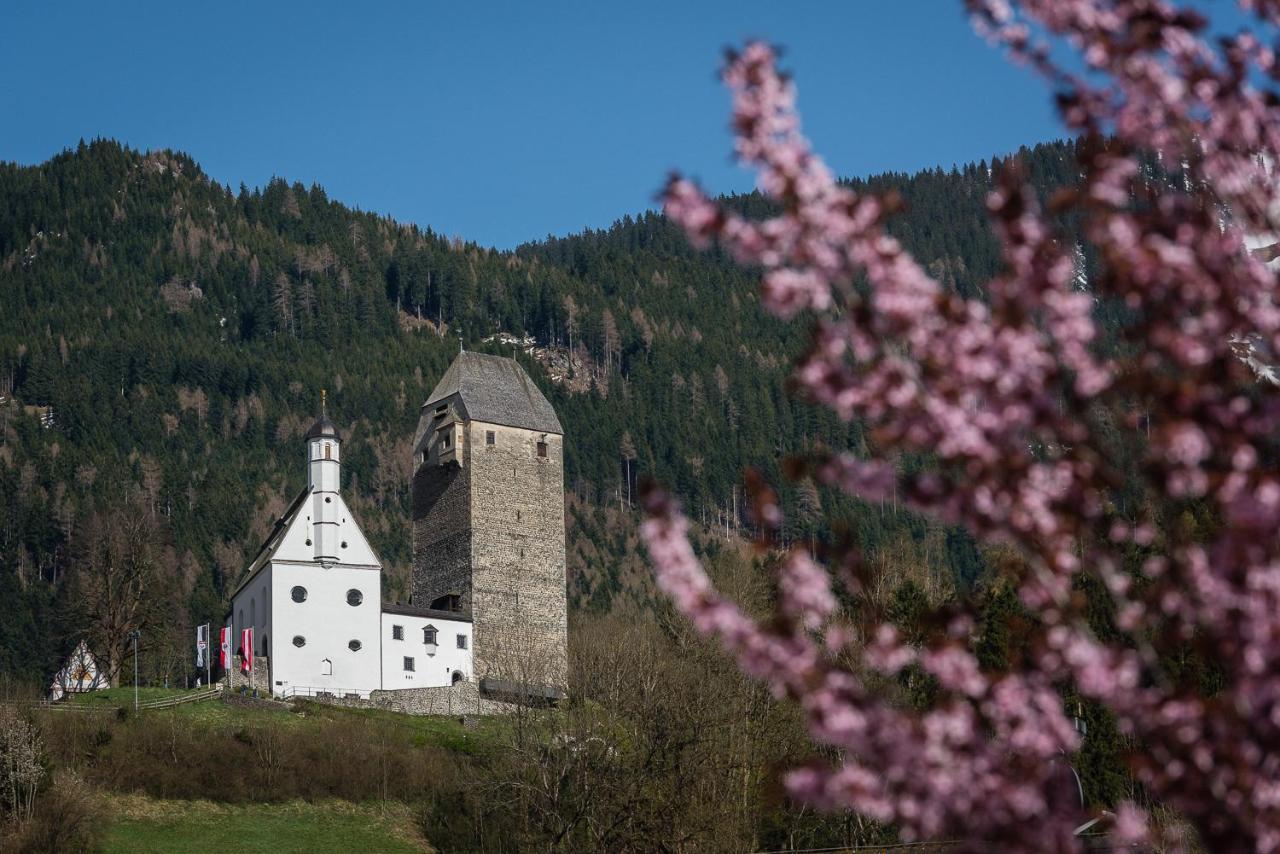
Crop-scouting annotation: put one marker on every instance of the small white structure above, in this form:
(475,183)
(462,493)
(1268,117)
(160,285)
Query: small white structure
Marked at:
(81,673)
(424,648)
(312,596)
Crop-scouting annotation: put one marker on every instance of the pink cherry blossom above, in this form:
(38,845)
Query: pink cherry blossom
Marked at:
(1008,394)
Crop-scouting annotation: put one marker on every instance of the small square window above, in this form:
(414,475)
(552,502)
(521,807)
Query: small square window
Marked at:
(490,437)
(397,632)
(408,664)
(542,449)
(462,641)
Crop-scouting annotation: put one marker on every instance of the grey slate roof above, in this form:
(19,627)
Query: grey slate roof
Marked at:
(496,389)
(272,543)
(430,613)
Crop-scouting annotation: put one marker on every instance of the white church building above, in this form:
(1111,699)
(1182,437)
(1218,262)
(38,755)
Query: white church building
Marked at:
(313,597)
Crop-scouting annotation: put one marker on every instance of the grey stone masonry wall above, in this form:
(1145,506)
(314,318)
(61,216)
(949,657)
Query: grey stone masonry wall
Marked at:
(460,699)
(441,532)
(518,603)
(261,675)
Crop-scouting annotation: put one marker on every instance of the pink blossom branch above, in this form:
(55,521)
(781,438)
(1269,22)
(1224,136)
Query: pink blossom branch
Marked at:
(1004,393)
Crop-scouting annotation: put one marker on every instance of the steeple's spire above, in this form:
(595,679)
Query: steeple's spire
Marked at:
(323,408)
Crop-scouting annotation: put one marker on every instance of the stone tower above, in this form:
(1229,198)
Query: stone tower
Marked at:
(488,520)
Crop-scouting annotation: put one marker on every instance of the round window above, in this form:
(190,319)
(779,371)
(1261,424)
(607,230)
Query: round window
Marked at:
(299,640)
(354,597)
(354,646)
(299,594)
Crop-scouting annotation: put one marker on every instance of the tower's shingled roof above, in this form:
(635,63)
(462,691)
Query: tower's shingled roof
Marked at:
(495,389)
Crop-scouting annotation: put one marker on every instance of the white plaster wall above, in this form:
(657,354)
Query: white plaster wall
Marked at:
(430,670)
(294,546)
(328,624)
(251,609)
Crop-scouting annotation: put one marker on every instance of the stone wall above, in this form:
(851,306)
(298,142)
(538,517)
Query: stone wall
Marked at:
(441,532)
(492,529)
(518,604)
(460,699)
(261,675)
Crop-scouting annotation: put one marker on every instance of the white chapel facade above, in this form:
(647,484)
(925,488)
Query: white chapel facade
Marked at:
(313,598)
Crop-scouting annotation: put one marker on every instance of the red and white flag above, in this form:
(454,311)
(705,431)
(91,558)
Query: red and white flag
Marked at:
(246,644)
(224,655)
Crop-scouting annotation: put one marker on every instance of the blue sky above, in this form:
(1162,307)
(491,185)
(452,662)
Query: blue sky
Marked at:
(499,121)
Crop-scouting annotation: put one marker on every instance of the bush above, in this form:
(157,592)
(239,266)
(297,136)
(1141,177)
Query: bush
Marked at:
(67,818)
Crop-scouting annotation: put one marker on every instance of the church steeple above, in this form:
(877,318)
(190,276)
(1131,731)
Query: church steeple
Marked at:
(324,477)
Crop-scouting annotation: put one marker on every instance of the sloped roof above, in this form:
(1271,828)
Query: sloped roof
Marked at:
(272,543)
(496,389)
(430,613)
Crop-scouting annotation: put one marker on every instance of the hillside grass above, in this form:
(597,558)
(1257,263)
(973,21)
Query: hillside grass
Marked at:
(122,697)
(421,730)
(141,825)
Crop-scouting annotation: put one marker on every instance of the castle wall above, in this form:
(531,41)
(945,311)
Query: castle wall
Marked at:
(461,699)
(441,532)
(518,554)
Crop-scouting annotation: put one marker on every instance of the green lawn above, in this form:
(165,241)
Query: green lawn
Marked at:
(147,826)
(443,731)
(123,696)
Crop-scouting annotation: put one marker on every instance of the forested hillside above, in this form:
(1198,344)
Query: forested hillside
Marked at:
(164,340)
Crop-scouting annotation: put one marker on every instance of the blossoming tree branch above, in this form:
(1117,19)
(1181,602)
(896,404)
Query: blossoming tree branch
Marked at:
(1011,395)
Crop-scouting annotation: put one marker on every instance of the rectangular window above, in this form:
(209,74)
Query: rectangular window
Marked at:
(429,636)
(462,641)
(490,437)
(408,664)
(542,449)
(397,632)
(327,451)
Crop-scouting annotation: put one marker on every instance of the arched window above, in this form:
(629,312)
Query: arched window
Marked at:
(299,594)
(326,667)
(354,597)
(328,455)
(457,677)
